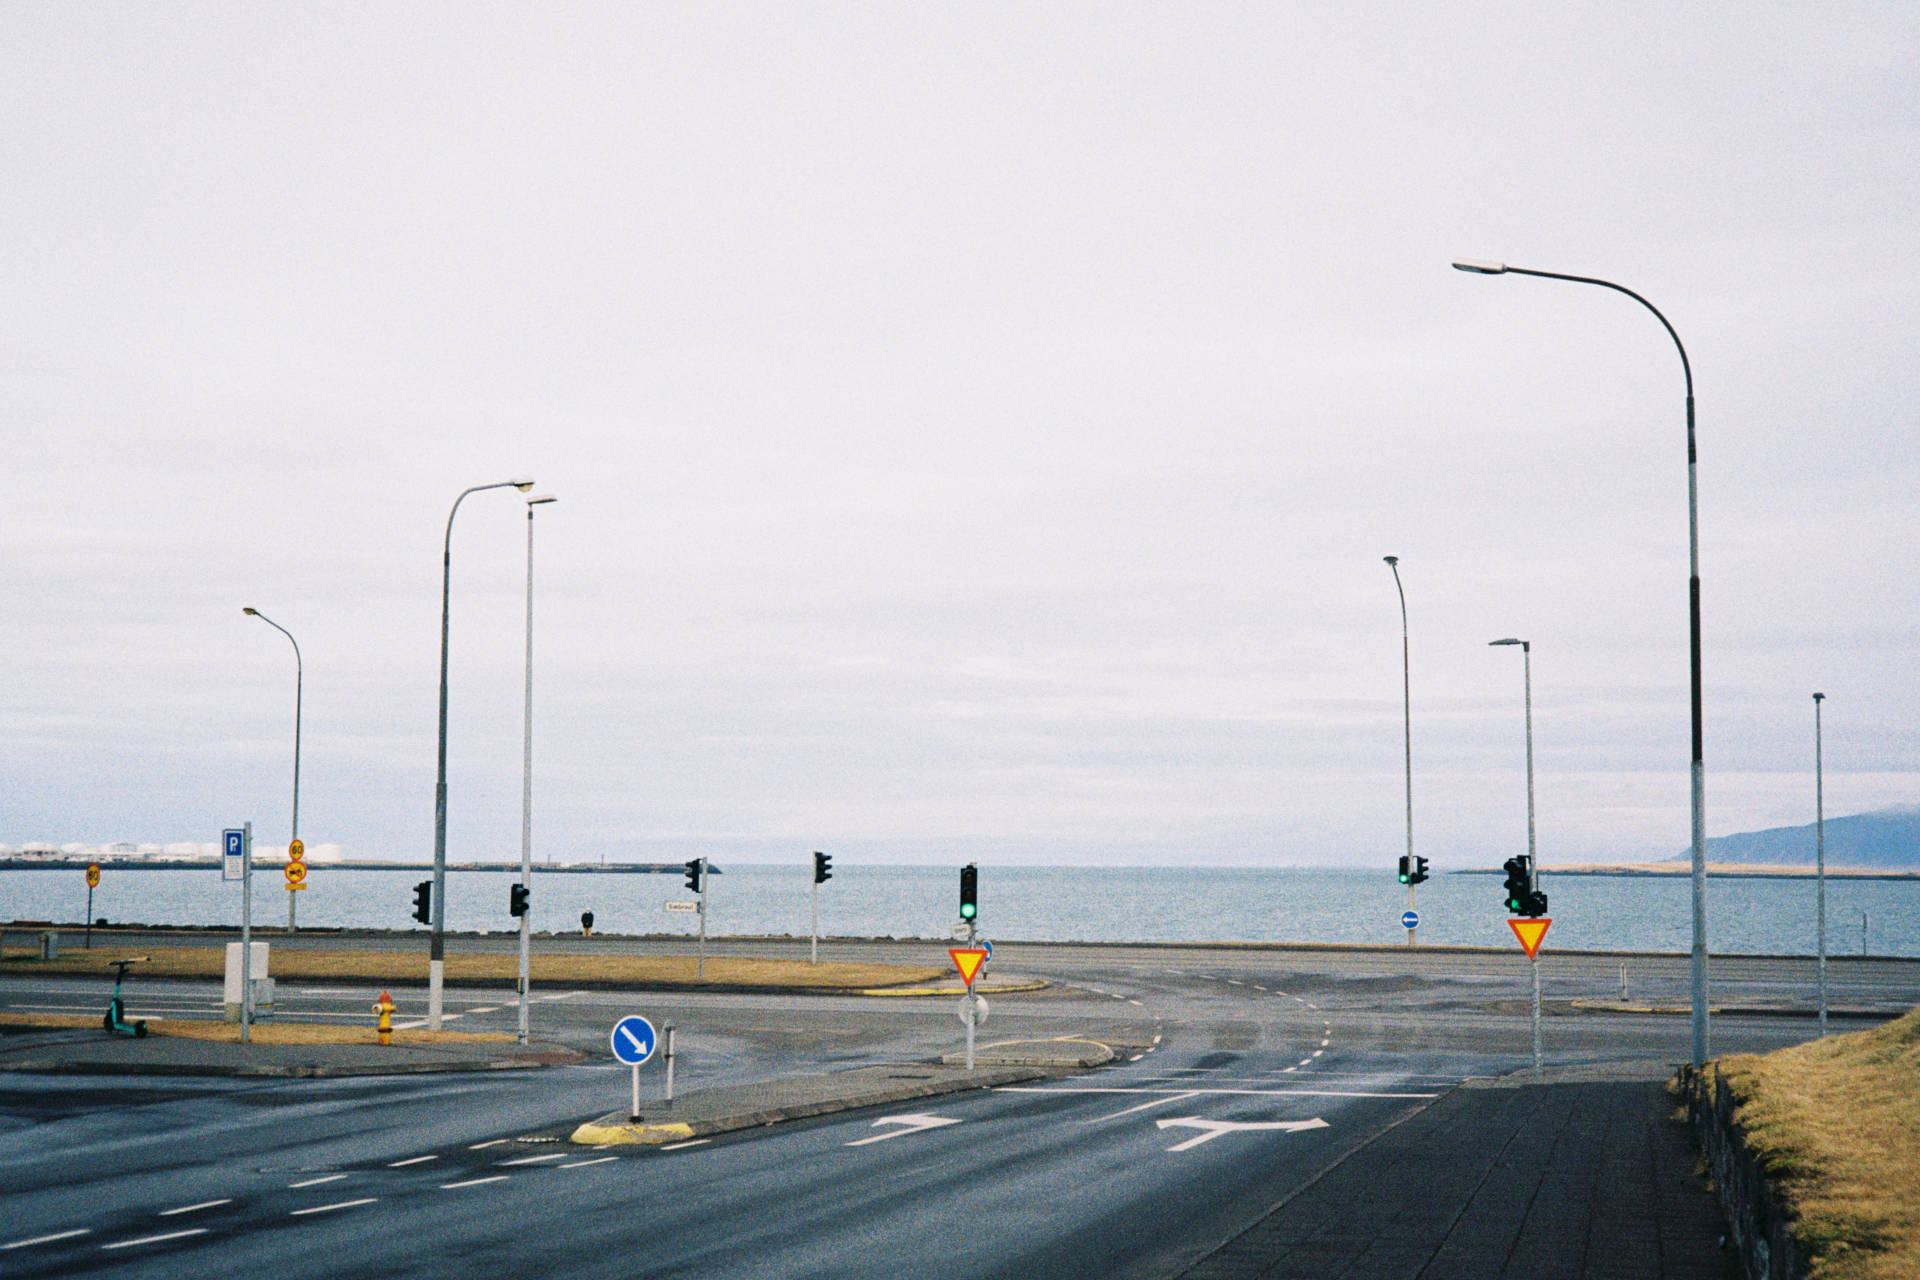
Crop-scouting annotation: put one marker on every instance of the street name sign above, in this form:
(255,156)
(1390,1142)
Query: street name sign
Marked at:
(633,1040)
(683,906)
(1530,932)
(968,961)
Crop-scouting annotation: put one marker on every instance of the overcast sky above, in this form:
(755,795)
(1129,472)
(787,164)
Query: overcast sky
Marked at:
(977,429)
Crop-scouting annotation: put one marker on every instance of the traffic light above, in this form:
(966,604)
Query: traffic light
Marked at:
(1519,885)
(694,869)
(423,902)
(969,891)
(1419,871)
(822,867)
(1406,869)
(517,900)
(1536,904)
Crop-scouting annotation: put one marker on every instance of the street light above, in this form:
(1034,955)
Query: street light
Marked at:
(1526,661)
(526,785)
(437,948)
(1700,1030)
(1406,693)
(1820,858)
(299,679)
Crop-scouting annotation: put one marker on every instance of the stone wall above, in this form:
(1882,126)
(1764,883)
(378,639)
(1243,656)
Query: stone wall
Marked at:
(1761,1227)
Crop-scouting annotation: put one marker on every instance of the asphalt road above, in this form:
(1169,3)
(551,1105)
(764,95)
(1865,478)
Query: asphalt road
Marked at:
(1245,1073)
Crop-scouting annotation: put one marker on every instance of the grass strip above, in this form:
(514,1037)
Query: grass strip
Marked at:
(1835,1123)
(263,1032)
(294,964)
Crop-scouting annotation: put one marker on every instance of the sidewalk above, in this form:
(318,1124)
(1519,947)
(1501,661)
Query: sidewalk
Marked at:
(1584,1176)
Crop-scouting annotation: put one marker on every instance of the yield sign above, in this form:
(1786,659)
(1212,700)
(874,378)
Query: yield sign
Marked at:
(968,961)
(1530,932)
(1211,1129)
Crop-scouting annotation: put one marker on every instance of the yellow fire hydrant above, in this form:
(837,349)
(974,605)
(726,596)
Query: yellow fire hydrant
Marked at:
(384,1007)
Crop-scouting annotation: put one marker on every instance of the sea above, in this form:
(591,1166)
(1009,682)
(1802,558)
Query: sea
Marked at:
(1748,916)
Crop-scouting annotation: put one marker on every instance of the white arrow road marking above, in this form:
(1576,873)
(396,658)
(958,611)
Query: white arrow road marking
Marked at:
(1214,1128)
(915,1123)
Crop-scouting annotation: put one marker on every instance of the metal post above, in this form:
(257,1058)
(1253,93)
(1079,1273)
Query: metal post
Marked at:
(437,945)
(299,694)
(1533,962)
(701,969)
(1863,933)
(813,938)
(973,1010)
(1820,858)
(1406,693)
(1701,1036)
(246,933)
(669,1063)
(634,1115)
(89,917)
(526,788)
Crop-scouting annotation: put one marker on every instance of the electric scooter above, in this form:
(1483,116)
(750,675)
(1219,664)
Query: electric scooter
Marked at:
(116,1019)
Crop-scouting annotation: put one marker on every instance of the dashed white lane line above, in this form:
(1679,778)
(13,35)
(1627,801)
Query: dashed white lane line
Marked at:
(401,1164)
(1318,1052)
(329,1208)
(1136,1002)
(1258,987)
(1304,1062)
(482,1146)
(1156,1102)
(581,1164)
(1325,1043)
(1156,1039)
(554,1155)
(492,1008)
(314,1182)
(473,1182)
(58,1235)
(191,1208)
(1235,982)
(168,1235)
(671,1146)
(561,995)
(1136,1057)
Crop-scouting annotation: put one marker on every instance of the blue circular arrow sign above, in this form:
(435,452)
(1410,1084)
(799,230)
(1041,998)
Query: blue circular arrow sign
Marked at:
(1410,919)
(633,1040)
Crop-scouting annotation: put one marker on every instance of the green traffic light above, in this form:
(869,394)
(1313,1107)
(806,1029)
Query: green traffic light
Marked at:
(968,911)
(1404,877)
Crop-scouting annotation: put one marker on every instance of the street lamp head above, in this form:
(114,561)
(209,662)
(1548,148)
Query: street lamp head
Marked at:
(1818,696)
(1479,267)
(539,498)
(1392,559)
(523,484)
(250,612)
(1508,640)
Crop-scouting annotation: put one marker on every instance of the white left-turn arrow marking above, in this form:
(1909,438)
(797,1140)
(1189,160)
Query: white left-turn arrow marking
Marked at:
(1212,1129)
(914,1123)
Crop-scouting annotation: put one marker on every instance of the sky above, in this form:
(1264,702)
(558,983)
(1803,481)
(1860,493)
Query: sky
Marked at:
(976,430)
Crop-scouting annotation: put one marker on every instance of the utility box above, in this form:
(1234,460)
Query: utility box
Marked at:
(262,984)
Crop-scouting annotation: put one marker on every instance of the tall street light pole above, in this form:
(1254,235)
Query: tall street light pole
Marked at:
(526,788)
(437,952)
(299,680)
(1700,1029)
(1406,694)
(1533,864)
(1820,858)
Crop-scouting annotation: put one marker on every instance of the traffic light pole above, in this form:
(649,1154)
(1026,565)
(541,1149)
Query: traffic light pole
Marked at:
(813,939)
(701,971)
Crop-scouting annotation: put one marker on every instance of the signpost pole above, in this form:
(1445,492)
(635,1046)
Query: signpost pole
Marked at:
(813,939)
(972,1011)
(246,933)
(634,1115)
(89,915)
(669,1062)
(1534,964)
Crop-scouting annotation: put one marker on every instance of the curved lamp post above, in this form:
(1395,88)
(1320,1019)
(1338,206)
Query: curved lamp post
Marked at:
(1820,857)
(1406,694)
(1700,1033)
(437,952)
(1533,865)
(299,679)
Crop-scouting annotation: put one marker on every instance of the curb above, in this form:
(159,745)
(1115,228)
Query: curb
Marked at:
(1033,984)
(616,1128)
(301,1071)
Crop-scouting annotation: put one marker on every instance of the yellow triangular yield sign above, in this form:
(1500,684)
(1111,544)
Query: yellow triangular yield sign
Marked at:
(968,961)
(1530,932)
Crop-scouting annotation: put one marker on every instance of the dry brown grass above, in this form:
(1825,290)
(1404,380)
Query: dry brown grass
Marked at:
(298,964)
(1836,1125)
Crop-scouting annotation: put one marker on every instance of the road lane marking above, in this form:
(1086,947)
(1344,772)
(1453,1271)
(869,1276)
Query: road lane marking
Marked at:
(1156,1102)
(314,1182)
(551,1155)
(329,1208)
(915,1124)
(190,1208)
(492,1008)
(58,1235)
(681,1146)
(1304,1062)
(1136,1002)
(170,1235)
(1235,982)
(561,995)
(482,1146)
(1156,1039)
(1237,1093)
(401,1164)
(1211,1129)
(473,1182)
(581,1164)
(1258,987)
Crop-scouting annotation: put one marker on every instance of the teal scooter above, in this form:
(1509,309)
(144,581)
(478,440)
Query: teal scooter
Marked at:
(116,1019)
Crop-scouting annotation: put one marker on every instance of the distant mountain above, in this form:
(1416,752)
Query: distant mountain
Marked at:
(1885,838)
